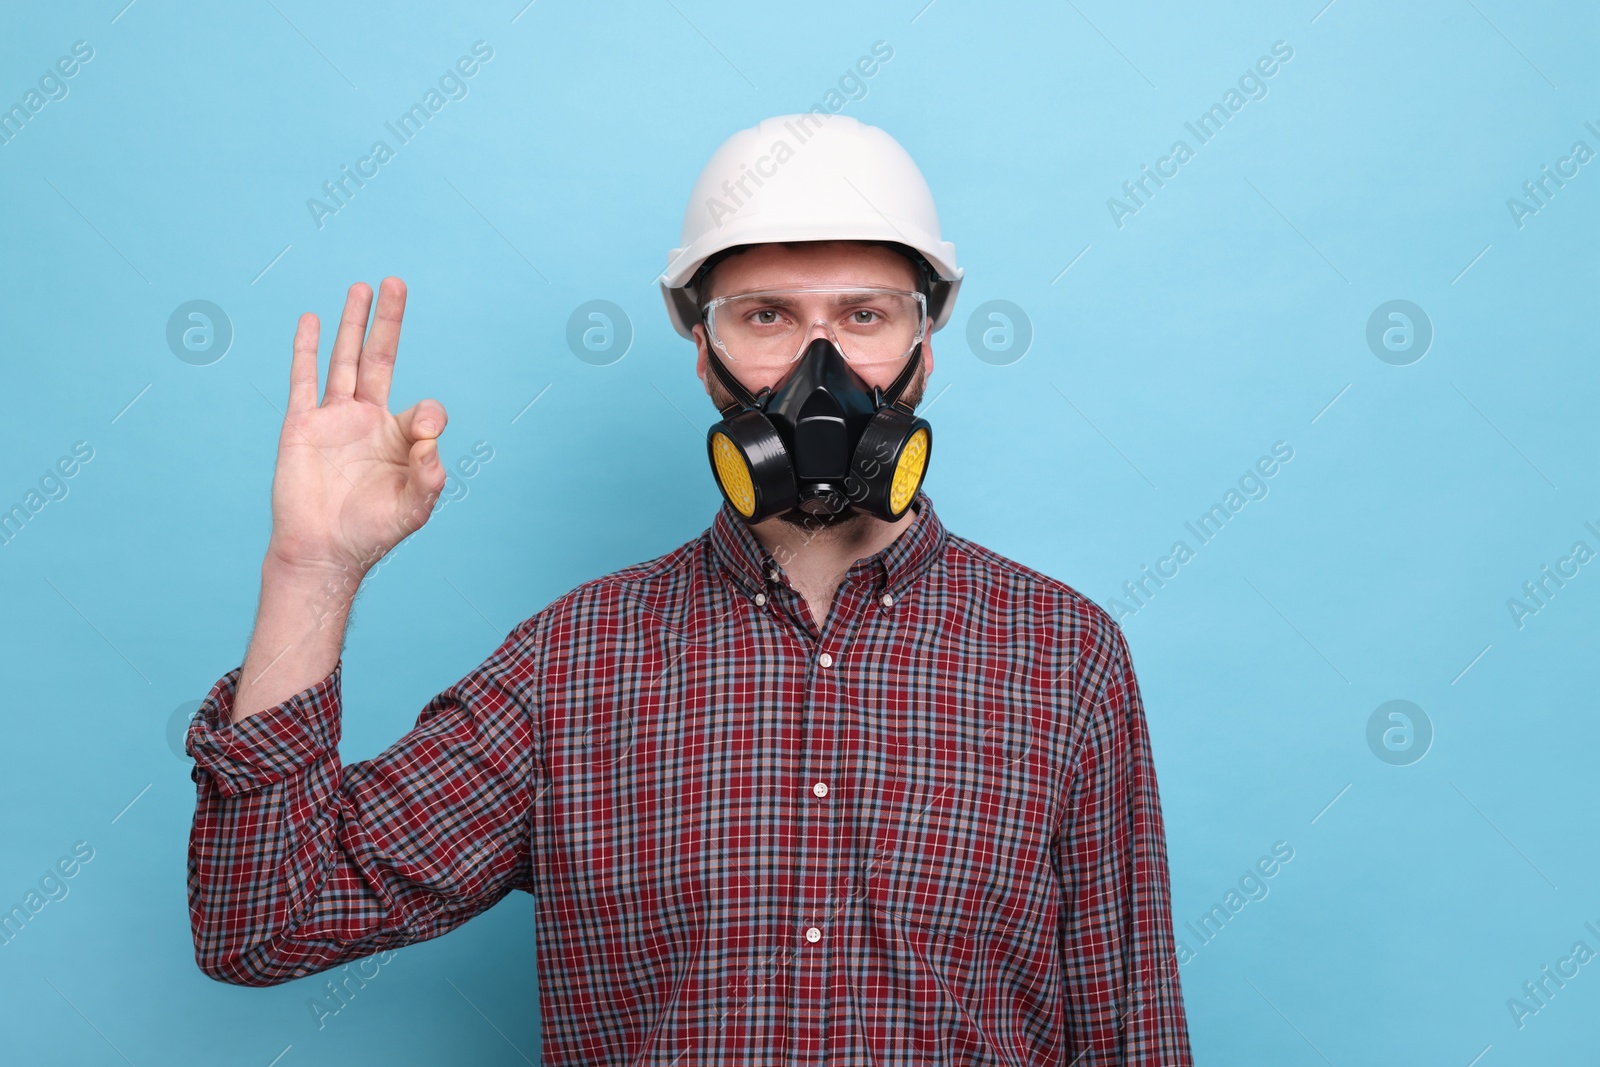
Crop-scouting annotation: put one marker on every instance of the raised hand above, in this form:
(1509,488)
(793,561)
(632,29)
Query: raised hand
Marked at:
(352,480)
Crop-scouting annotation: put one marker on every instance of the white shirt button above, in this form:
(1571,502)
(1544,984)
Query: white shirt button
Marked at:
(813,935)
(825,659)
(888,601)
(760,598)
(821,789)
(773,574)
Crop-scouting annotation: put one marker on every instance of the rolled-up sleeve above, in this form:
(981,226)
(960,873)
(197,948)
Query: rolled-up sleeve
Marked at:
(1124,1004)
(298,863)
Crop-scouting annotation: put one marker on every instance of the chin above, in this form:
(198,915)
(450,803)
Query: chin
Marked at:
(805,520)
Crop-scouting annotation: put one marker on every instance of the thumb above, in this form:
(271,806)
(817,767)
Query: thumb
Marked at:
(424,481)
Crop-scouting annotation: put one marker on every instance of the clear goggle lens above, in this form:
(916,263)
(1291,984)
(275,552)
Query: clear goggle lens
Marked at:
(773,327)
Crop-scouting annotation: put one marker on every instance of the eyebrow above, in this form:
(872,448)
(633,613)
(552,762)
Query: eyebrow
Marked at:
(787,300)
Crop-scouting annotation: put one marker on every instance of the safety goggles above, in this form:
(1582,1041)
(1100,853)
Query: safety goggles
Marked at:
(772,327)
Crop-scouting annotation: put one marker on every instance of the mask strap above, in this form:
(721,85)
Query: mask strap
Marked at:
(903,379)
(742,397)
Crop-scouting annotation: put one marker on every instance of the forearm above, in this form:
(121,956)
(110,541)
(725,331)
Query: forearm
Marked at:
(299,862)
(297,878)
(299,632)
(245,883)
(1125,998)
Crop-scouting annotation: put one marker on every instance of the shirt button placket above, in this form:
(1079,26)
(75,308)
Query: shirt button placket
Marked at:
(819,905)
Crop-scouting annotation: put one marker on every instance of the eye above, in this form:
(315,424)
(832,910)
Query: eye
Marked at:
(864,316)
(767,316)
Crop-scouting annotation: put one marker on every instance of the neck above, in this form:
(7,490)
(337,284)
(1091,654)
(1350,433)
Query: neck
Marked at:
(817,557)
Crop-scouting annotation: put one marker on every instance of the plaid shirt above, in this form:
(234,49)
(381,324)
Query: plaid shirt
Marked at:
(928,833)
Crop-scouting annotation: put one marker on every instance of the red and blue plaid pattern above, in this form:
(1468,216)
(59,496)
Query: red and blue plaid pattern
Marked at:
(927,834)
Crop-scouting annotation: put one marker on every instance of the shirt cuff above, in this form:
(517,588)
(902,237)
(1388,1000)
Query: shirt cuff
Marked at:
(269,745)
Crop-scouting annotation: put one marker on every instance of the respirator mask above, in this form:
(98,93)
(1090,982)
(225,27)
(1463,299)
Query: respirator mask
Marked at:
(821,440)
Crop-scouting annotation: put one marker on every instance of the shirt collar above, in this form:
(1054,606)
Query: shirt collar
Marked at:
(905,559)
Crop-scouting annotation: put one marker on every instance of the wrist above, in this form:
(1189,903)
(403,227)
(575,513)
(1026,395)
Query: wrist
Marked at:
(330,585)
(292,562)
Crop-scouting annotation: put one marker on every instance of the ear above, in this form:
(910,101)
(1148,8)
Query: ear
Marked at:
(700,356)
(927,356)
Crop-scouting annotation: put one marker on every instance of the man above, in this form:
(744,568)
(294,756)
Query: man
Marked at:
(828,784)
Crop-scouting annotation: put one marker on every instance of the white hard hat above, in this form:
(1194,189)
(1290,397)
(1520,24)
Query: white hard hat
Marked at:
(810,177)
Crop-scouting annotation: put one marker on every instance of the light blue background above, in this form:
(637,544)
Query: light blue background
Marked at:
(1228,314)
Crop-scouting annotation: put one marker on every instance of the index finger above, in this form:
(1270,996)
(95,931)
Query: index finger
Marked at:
(383,340)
